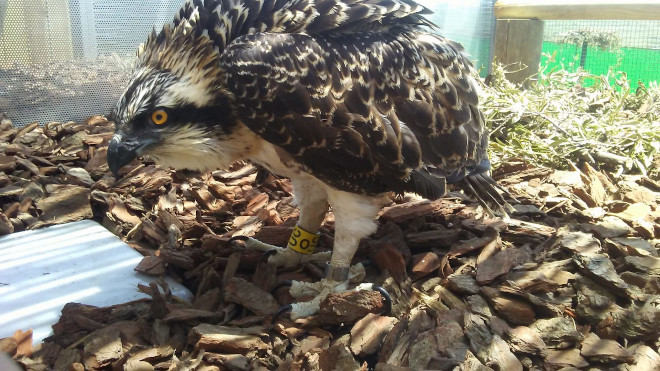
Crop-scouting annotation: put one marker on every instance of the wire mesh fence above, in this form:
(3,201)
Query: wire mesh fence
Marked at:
(629,46)
(68,59)
(64,60)
(469,22)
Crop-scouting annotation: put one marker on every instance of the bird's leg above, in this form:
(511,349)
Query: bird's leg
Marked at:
(354,220)
(313,207)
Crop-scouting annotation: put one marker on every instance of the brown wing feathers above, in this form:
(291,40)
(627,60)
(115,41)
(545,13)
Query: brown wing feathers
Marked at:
(355,90)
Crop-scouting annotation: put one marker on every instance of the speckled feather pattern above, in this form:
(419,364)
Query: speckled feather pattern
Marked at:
(359,93)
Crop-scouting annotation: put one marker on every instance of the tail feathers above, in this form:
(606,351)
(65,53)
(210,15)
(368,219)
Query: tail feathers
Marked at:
(427,185)
(431,183)
(488,193)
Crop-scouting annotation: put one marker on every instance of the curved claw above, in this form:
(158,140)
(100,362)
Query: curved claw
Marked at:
(386,296)
(283,309)
(268,254)
(239,238)
(285,283)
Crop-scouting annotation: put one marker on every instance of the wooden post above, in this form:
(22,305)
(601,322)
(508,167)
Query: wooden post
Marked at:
(578,9)
(518,44)
(519,27)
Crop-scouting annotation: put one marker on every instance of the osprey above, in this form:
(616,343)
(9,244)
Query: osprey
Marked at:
(350,99)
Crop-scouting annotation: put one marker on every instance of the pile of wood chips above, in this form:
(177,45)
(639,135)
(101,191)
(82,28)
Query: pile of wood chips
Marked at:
(571,281)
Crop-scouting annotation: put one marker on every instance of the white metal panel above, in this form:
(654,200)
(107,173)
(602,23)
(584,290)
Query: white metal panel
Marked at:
(81,262)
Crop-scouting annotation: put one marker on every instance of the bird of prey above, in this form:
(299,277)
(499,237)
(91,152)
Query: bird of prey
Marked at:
(353,100)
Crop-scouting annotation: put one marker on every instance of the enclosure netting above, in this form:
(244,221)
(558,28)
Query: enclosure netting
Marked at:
(629,46)
(64,60)
(68,59)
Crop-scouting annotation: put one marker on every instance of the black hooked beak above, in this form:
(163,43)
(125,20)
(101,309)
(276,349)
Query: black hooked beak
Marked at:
(120,153)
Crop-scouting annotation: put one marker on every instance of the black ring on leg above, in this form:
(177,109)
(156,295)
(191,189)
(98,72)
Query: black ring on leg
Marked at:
(386,296)
(283,309)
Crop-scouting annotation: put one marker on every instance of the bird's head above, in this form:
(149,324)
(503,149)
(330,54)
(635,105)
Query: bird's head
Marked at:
(174,109)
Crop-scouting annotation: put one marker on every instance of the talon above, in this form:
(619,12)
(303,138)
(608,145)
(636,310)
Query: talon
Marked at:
(386,296)
(285,283)
(268,254)
(239,238)
(279,312)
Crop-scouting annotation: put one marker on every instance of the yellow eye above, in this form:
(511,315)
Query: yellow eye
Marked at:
(159,117)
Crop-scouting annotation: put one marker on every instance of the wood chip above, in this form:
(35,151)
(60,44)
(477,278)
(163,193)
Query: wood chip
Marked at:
(472,363)
(601,269)
(389,258)
(463,284)
(368,333)
(6,226)
(565,358)
(478,305)
(443,237)
(23,341)
(507,272)
(501,263)
(277,235)
(438,348)
(645,359)
(188,314)
(68,204)
(604,350)
(532,281)
(250,296)
(9,345)
(11,191)
(386,367)
(514,310)
(557,332)
(67,358)
(28,165)
(32,192)
(633,322)
(424,264)
(645,264)
(522,339)
(579,242)
(476,331)
(498,354)
(558,271)
(226,339)
(151,265)
(413,209)
(348,307)
(448,298)
(648,284)
(79,176)
(138,359)
(102,347)
(338,357)
(594,302)
(234,362)
(7,163)
(624,246)
(256,203)
(609,227)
